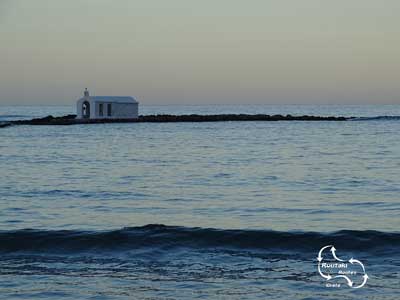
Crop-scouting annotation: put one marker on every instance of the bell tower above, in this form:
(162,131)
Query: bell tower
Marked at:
(86,93)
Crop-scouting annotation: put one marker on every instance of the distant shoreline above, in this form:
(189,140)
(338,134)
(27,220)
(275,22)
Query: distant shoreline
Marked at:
(71,119)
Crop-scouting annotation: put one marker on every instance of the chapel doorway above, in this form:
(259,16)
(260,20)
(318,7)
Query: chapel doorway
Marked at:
(86,110)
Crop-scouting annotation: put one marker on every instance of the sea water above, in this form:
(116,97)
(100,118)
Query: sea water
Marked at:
(219,210)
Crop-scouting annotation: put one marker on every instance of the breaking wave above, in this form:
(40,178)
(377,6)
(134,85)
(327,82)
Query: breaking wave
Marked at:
(167,237)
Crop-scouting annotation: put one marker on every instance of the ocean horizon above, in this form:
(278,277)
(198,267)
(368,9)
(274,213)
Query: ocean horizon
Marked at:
(195,150)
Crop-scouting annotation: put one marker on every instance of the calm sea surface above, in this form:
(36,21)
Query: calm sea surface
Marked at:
(242,208)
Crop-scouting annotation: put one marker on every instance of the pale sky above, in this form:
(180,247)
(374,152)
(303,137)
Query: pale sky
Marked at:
(201,52)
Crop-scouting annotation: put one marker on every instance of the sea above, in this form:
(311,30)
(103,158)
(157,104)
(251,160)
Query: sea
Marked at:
(213,210)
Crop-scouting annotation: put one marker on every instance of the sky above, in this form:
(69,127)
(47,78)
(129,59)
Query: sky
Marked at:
(201,52)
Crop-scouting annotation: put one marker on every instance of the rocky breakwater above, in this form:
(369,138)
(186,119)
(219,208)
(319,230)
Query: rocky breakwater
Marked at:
(233,117)
(72,120)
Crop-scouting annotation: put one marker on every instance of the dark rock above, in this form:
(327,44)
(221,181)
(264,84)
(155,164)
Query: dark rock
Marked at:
(71,119)
(5,124)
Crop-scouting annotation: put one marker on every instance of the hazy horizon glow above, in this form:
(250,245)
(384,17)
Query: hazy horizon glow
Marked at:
(201,52)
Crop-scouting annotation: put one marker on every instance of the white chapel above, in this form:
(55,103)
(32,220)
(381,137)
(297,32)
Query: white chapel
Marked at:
(107,107)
